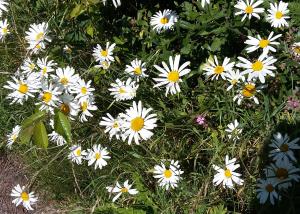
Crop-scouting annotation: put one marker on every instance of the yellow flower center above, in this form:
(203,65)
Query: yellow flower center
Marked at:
(116,124)
(64,81)
(284,147)
(282,173)
(23,88)
(84,106)
(32,66)
(25,196)
(233,82)
(4,30)
(14,137)
(39,36)
(137,124)
(278,15)
(137,71)
(297,49)
(97,156)
(104,53)
(168,173)
(78,152)
(269,188)
(38,46)
(219,69)
(264,43)
(227,173)
(173,76)
(249,90)
(83,90)
(44,70)
(249,9)
(257,66)
(122,91)
(124,189)
(64,108)
(164,20)
(47,96)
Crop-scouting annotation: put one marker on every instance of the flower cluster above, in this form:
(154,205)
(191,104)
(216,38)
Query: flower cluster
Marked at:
(280,174)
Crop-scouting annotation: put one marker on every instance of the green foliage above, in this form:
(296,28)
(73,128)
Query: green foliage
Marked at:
(40,136)
(62,126)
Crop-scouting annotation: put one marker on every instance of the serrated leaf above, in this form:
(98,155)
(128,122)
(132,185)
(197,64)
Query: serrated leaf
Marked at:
(36,117)
(40,136)
(26,134)
(62,126)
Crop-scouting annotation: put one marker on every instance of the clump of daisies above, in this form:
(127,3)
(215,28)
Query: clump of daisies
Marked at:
(281,172)
(104,56)
(37,36)
(21,196)
(135,124)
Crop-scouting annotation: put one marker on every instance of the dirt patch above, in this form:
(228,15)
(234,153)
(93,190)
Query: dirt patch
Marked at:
(11,174)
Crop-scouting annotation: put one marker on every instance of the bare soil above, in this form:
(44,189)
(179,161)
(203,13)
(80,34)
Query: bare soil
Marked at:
(11,174)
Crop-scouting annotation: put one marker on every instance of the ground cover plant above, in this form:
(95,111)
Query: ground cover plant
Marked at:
(153,106)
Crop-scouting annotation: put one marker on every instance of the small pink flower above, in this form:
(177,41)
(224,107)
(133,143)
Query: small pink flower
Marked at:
(200,120)
(292,104)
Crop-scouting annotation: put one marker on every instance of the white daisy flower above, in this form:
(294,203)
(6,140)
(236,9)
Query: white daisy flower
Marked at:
(260,68)
(48,97)
(22,89)
(68,105)
(104,65)
(86,105)
(247,92)
(283,172)
(3,6)
(168,176)
(296,49)
(282,147)
(36,36)
(57,138)
(4,31)
(66,77)
(122,90)
(215,70)
(112,126)
(227,176)
(203,2)
(45,66)
(27,199)
(171,76)
(137,123)
(233,130)
(28,66)
(116,3)
(234,77)
(163,20)
(278,14)
(104,54)
(97,155)
(249,8)
(264,43)
(13,136)
(82,89)
(266,191)
(126,188)
(76,155)
(136,69)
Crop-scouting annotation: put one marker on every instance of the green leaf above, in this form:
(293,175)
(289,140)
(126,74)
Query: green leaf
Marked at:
(77,10)
(62,126)
(40,136)
(217,43)
(30,121)
(90,30)
(26,134)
